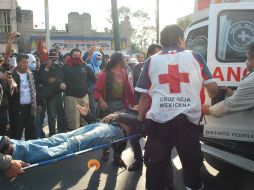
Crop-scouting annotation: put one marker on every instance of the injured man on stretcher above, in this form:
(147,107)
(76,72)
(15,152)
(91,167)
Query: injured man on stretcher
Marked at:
(112,127)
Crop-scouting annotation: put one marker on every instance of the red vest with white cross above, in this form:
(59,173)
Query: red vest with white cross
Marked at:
(176,82)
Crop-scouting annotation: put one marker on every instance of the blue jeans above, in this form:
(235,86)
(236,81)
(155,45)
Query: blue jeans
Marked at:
(91,135)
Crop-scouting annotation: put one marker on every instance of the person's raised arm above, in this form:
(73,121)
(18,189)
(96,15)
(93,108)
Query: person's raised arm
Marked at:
(8,47)
(86,114)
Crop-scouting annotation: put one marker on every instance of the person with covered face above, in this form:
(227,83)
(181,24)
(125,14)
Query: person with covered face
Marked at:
(76,75)
(94,64)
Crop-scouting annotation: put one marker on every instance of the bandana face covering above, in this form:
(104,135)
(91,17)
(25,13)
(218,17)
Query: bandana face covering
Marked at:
(76,60)
(98,63)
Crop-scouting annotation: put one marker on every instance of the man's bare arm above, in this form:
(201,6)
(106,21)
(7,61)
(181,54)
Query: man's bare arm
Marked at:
(144,105)
(8,48)
(212,89)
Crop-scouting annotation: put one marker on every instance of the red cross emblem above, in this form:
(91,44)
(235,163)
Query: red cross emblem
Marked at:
(174,78)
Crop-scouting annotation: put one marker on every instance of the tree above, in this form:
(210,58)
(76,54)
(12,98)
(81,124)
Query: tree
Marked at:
(122,13)
(143,33)
(184,22)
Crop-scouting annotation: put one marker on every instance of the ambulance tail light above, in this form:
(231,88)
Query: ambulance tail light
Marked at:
(203,4)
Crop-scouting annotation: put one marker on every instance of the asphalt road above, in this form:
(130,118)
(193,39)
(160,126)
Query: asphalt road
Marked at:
(74,174)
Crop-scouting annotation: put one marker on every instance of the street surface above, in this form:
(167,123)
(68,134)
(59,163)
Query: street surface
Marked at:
(74,174)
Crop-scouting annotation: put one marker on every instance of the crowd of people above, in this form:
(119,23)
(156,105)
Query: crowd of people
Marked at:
(162,92)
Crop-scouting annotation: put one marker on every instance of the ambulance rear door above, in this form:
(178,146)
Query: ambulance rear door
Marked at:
(230,30)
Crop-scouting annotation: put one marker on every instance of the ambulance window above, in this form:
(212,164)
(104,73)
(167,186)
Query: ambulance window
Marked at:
(197,40)
(235,32)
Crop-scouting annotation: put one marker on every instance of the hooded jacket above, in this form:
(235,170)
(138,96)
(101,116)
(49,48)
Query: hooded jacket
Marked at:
(95,67)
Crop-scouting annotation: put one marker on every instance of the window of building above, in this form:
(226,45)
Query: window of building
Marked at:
(235,32)
(197,41)
(5,21)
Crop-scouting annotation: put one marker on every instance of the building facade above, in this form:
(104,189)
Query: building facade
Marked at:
(8,21)
(78,32)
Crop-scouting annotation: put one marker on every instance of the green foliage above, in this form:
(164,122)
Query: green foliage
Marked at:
(184,22)
(143,33)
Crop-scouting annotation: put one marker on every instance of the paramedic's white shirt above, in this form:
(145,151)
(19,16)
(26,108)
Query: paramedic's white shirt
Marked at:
(25,94)
(174,83)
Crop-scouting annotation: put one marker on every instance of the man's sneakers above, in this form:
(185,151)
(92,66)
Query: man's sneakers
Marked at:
(5,146)
(135,166)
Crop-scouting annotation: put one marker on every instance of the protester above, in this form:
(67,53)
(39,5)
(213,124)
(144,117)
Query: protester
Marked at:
(132,62)
(7,86)
(88,55)
(34,66)
(171,102)
(107,60)
(94,64)
(23,105)
(66,57)
(112,90)
(41,107)
(140,57)
(152,49)
(41,51)
(76,75)
(60,55)
(10,53)
(51,94)
(243,97)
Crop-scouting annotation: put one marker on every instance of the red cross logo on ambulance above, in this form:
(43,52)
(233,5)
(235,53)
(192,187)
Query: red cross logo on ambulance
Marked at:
(240,35)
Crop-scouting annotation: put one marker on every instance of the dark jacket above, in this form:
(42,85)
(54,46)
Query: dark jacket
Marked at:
(76,79)
(4,103)
(136,72)
(45,89)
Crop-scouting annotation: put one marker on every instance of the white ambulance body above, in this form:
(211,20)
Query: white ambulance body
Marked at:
(221,31)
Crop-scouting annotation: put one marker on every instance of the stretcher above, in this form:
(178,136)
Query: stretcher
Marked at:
(57,169)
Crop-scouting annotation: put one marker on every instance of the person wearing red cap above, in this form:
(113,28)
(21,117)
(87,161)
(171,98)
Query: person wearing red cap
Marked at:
(51,93)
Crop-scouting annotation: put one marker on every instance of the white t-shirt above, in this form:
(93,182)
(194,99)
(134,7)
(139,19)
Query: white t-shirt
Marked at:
(25,94)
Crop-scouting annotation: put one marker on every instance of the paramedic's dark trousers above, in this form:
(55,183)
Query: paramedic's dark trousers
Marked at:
(162,137)
(136,149)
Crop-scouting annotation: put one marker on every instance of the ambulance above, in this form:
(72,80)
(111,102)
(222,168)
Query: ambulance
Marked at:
(221,31)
